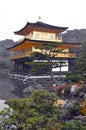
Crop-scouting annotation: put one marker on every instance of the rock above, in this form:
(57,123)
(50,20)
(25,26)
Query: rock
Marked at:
(38,86)
(74,89)
(59,102)
(80,117)
(13,127)
(65,104)
(63,92)
(81,95)
(28,89)
(84,95)
(3,104)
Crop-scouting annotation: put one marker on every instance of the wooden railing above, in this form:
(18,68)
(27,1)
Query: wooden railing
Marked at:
(62,55)
(67,55)
(17,56)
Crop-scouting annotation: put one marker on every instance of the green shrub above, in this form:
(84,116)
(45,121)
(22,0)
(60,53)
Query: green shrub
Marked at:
(74,125)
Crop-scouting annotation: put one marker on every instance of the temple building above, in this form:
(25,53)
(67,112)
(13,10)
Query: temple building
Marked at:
(34,34)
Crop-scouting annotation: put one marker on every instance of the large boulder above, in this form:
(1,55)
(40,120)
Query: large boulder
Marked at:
(3,105)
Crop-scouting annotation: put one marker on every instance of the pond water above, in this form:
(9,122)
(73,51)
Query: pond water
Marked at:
(6,88)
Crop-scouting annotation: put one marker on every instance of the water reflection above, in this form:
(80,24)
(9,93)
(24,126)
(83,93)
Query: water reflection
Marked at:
(6,88)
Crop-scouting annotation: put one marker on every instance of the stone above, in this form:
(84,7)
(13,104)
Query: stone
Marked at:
(74,89)
(28,89)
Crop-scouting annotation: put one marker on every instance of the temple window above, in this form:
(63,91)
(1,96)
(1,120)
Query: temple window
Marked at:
(59,36)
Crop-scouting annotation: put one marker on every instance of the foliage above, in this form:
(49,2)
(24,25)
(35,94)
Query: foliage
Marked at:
(48,56)
(36,112)
(72,76)
(38,67)
(71,109)
(74,125)
(74,108)
(79,70)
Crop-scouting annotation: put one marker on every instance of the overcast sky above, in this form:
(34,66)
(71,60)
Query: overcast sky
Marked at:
(14,14)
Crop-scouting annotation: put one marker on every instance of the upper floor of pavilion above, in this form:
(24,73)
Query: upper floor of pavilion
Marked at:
(41,31)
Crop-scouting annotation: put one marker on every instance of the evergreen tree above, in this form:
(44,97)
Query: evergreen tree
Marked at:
(48,57)
(34,113)
(79,70)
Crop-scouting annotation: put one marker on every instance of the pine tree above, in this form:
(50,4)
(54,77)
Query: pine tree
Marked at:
(79,70)
(48,53)
(81,64)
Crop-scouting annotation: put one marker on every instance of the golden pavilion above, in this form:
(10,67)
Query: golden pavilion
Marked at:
(34,34)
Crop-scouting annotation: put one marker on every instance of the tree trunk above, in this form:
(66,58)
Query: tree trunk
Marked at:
(54,81)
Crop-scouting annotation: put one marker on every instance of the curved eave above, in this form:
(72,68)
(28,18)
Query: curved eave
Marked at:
(30,43)
(40,26)
(69,46)
(26,44)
